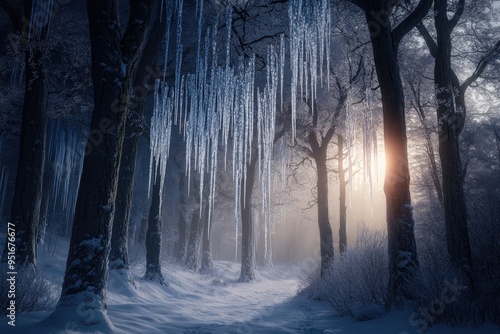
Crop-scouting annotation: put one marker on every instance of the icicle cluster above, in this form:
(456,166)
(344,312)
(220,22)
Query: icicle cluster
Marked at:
(65,158)
(220,105)
(266,114)
(370,161)
(41,13)
(350,142)
(310,26)
(161,130)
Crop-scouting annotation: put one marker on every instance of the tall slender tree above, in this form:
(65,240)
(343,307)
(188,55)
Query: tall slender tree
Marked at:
(25,212)
(154,236)
(342,195)
(247,224)
(114,64)
(143,85)
(400,224)
(451,115)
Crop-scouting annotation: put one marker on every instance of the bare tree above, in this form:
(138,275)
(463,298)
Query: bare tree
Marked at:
(85,279)
(451,112)
(400,224)
(25,212)
(143,85)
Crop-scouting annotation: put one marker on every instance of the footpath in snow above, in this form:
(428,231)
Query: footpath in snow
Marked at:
(214,302)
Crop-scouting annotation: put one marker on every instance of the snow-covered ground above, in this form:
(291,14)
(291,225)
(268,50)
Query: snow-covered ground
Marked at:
(214,302)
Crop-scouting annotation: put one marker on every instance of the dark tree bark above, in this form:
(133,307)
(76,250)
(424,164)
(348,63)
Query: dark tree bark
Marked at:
(318,144)
(134,127)
(451,114)
(206,259)
(195,238)
(342,196)
(247,225)
(181,243)
(450,122)
(400,225)
(319,151)
(25,212)
(85,280)
(154,237)
(44,207)
(200,214)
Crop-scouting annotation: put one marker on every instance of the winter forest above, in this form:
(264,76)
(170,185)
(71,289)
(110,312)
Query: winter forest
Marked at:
(250,166)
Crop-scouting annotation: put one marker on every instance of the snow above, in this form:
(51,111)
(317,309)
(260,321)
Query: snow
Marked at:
(210,302)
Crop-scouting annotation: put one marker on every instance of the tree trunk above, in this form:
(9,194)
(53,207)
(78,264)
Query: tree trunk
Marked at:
(434,170)
(247,226)
(44,207)
(118,257)
(85,280)
(325,229)
(206,260)
(195,239)
(342,197)
(119,240)
(181,243)
(154,237)
(450,122)
(25,212)
(400,225)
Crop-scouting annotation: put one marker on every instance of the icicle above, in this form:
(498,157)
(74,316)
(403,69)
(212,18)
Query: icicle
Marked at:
(160,134)
(41,14)
(309,20)
(282,67)
(350,133)
(153,135)
(178,63)
(168,23)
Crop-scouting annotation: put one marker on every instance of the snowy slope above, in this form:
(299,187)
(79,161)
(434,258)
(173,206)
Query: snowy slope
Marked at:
(213,302)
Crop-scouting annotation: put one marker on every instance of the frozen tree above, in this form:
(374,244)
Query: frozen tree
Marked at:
(199,217)
(181,243)
(143,86)
(206,258)
(32,26)
(315,132)
(114,63)
(154,237)
(400,224)
(451,115)
(344,177)
(420,104)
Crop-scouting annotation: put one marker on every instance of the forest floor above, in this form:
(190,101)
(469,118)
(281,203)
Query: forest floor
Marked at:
(214,302)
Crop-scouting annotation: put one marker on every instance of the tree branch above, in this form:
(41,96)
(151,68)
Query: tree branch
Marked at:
(431,44)
(142,16)
(313,141)
(304,149)
(456,17)
(485,60)
(410,22)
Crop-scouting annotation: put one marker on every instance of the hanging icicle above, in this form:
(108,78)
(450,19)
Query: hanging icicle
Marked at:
(350,143)
(310,26)
(221,105)
(41,14)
